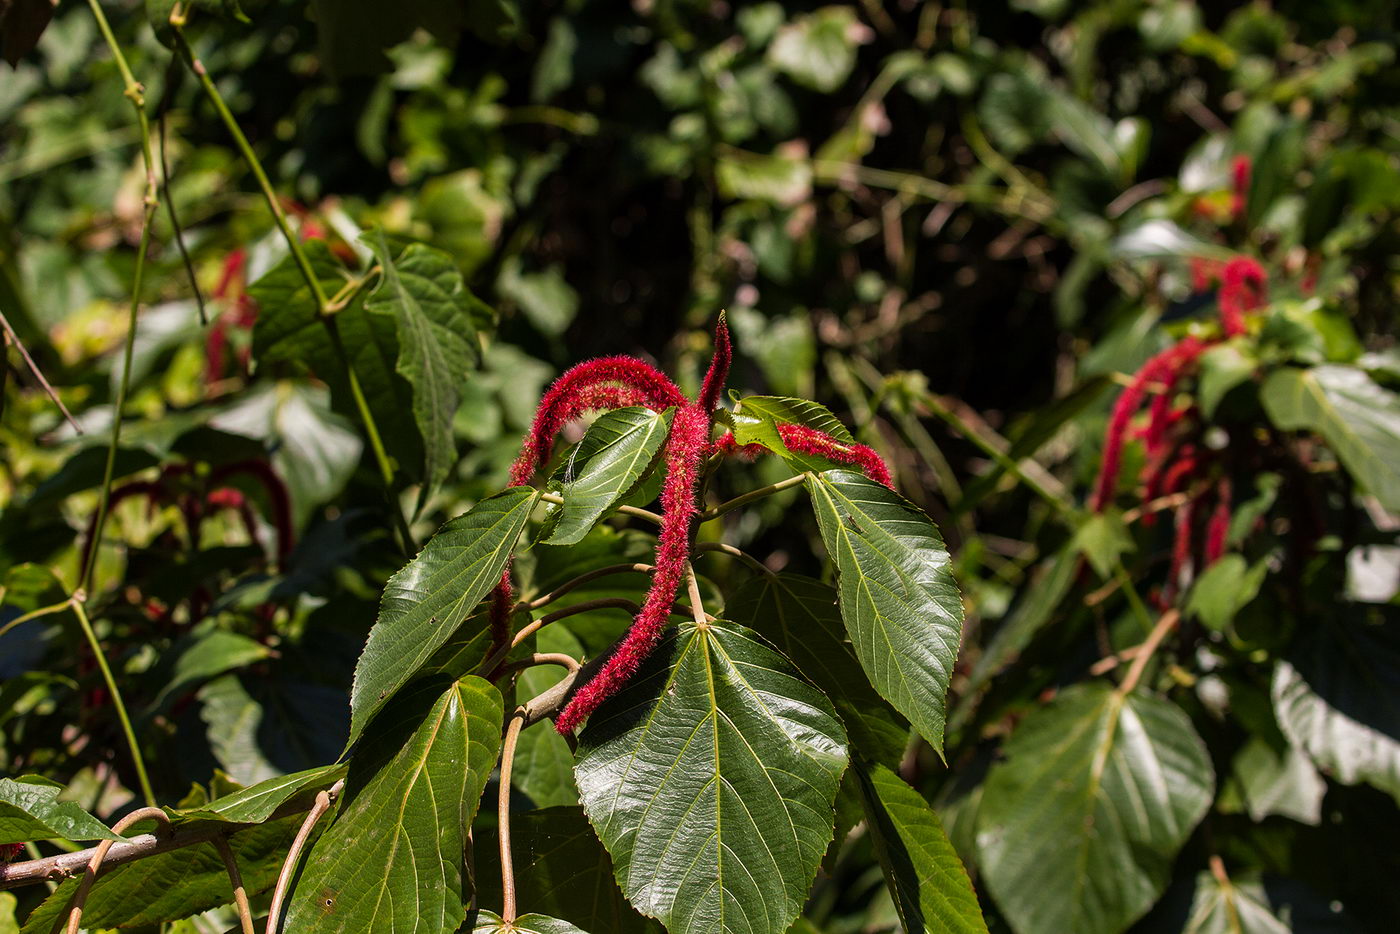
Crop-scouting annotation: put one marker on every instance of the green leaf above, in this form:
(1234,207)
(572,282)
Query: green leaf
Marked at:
(1335,698)
(898,597)
(1226,587)
(426,600)
(1223,367)
(1244,905)
(261,728)
(783,179)
(255,804)
(710,778)
(799,615)
(1278,781)
(422,290)
(170,886)
(1080,822)
(30,810)
(392,861)
(604,467)
(206,656)
(929,884)
(1085,131)
(1358,419)
(1103,539)
(817,50)
(560,869)
(756,419)
(488,922)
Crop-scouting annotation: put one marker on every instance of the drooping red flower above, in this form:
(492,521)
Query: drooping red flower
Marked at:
(1205,272)
(1243,289)
(1181,549)
(1218,528)
(806,440)
(1239,176)
(686,447)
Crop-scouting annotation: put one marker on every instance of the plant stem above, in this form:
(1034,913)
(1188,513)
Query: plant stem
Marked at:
(603,603)
(714,512)
(79,900)
(1159,632)
(235,878)
(38,373)
(81,612)
(324,307)
(744,556)
(35,614)
(697,607)
(646,514)
(517,721)
(1134,598)
(579,581)
(284,878)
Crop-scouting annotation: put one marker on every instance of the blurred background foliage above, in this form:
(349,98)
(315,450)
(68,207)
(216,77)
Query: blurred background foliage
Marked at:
(956,224)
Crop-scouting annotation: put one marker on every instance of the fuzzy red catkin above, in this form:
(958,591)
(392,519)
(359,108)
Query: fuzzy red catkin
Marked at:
(1218,528)
(1181,549)
(686,447)
(1119,419)
(805,440)
(1239,171)
(9,851)
(1178,359)
(1243,289)
(565,400)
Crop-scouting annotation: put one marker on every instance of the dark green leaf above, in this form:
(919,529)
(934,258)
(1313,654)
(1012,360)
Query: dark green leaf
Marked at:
(432,595)
(710,778)
(612,457)
(1358,419)
(264,727)
(1244,905)
(929,884)
(1335,697)
(800,616)
(30,810)
(756,418)
(898,597)
(22,22)
(422,290)
(1079,824)
(206,656)
(1277,781)
(392,861)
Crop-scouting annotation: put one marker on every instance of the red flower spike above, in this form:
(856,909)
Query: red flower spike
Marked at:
(567,398)
(10,851)
(502,602)
(1239,171)
(1181,549)
(1218,528)
(1243,289)
(276,492)
(806,440)
(685,447)
(1204,273)
(727,446)
(1119,420)
(719,367)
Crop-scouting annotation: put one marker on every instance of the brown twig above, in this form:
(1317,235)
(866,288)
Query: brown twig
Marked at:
(517,722)
(235,878)
(284,878)
(579,581)
(543,658)
(744,556)
(697,607)
(79,900)
(38,373)
(603,603)
(1145,651)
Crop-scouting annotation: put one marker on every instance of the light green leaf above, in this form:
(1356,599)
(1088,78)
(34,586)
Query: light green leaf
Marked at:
(392,861)
(1357,418)
(1273,781)
(782,179)
(560,869)
(931,888)
(1080,822)
(898,597)
(1226,587)
(1244,905)
(429,597)
(170,886)
(603,468)
(1335,697)
(710,778)
(422,290)
(799,615)
(1103,538)
(488,922)
(817,50)
(255,804)
(30,810)
(1223,367)
(756,418)
(206,656)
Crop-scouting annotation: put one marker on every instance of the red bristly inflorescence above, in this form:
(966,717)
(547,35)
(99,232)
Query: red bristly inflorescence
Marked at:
(9,851)
(1242,289)
(805,440)
(1239,172)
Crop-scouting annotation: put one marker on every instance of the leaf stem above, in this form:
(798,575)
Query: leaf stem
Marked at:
(1159,632)
(38,373)
(35,614)
(726,549)
(634,511)
(284,878)
(517,721)
(91,635)
(235,878)
(714,512)
(603,603)
(579,581)
(79,900)
(1134,598)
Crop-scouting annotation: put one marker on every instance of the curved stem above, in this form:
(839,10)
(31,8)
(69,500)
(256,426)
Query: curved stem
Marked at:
(35,614)
(714,512)
(527,631)
(235,878)
(633,511)
(75,909)
(579,581)
(81,612)
(284,878)
(37,373)
(697,606)
(517,721)
(744,556)
(543,658)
